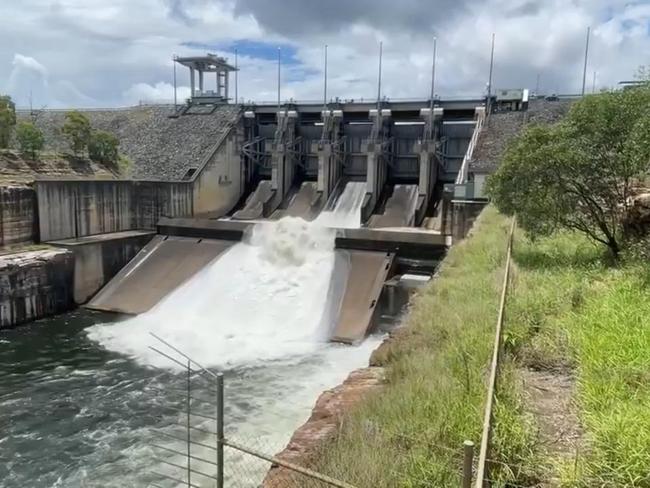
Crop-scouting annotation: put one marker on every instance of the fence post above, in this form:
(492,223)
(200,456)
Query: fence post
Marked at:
(220,436)
(468,458)
(189,424)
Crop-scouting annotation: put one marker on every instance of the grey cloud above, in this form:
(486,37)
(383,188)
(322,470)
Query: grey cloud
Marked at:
(304,17)
(528,8)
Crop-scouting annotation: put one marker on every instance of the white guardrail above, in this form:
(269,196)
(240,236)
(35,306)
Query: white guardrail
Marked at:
(462,174)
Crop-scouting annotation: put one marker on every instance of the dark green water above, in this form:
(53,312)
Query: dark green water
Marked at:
(75,415)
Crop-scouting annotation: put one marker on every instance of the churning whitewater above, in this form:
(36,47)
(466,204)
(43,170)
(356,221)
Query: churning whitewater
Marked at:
(268,297)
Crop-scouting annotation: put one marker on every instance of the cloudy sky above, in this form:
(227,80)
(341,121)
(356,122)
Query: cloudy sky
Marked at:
(118,52)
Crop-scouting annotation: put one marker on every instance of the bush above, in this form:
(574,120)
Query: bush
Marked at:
(102,147)
(30,138)
(7,120)
(578,174)
(77,130)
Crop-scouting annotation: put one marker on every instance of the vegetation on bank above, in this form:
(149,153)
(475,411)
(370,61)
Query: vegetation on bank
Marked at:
(99,146)
(411,434)
(574,311)
(571,312)
(580,173)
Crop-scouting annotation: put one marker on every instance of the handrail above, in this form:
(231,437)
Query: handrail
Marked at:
(462,173)
(494,366)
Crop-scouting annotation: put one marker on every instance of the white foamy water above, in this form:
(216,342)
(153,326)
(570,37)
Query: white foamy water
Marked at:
(346,213)
(261,313)
(266,298)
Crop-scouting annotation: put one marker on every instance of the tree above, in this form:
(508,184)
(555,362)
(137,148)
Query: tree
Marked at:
(578,174)
(7,120)
(77,130)
(30,138)
(103,147)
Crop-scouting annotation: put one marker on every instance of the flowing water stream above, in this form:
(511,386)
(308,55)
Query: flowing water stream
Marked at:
(80,393)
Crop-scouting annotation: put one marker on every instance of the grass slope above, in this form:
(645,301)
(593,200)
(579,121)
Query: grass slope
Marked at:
(571,310)
(411,434)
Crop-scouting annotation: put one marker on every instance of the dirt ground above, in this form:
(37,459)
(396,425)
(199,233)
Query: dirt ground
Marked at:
(550,397)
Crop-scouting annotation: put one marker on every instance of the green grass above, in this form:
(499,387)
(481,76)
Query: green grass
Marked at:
(411,434)
(572,310)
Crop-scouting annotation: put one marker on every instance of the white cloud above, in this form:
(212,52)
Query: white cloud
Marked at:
(160,92)
(89,52)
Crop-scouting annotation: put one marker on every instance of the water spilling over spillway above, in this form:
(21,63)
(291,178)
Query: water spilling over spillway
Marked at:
(269,297)
(79,412)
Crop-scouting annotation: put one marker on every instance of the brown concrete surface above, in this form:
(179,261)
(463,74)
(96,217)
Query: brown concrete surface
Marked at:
(367,273)
(97,259)
(306,203)
(256,203)
(162,265)
(399,210)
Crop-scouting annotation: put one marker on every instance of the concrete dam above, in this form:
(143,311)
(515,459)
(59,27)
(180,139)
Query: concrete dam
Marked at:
(377,177)
(279,254)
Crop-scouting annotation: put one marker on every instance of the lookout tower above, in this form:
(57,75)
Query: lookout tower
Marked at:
(210,63)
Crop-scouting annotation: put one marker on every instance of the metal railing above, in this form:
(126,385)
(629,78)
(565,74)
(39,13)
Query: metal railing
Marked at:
(184,466)
(464,167)
(482,472)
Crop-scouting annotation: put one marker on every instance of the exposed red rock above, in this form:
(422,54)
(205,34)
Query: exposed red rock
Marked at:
(323,424)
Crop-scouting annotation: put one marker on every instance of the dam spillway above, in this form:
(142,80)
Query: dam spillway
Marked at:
(276,293)
(182,276)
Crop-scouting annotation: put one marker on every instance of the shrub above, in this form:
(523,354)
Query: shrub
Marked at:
(30,138)
(102,147)
(7,120)
(578,174)
(77,130)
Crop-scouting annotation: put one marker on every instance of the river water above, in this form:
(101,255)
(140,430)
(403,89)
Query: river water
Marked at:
(83,397)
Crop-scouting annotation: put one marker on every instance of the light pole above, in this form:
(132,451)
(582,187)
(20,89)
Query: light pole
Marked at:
(489,94)
(433,71)
(584,71)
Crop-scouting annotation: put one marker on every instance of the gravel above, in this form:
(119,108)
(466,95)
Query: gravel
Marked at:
(503,127)
(159,147)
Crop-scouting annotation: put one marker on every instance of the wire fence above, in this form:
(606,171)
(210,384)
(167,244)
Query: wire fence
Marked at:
(198,450)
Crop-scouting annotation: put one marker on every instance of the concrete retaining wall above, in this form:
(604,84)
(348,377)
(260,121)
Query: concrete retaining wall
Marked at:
(76,208)
(97,259)
(219,184)
(35,284)
(463,215)
(18,218)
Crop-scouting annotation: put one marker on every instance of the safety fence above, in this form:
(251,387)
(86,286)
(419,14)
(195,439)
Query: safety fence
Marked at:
(199,451)
(484,462)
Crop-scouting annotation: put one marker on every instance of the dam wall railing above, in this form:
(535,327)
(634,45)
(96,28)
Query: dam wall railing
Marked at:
(70,208)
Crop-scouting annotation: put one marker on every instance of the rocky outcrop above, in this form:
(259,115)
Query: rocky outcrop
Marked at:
(16,168)
(159,147)
(35,284)
(18,223)
(323,425)
(637,220)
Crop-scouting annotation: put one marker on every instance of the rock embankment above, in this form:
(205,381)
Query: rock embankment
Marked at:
(15,168)
(322,425)
(35,284)
(159,147)
(502,127)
